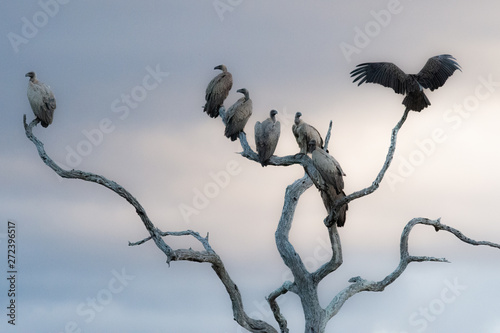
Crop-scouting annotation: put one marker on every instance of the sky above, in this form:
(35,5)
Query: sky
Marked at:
(129,78)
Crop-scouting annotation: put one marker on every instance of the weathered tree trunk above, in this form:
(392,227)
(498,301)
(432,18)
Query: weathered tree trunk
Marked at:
(305,283)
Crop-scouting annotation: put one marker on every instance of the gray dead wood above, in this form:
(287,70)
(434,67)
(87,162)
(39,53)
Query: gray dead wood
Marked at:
(305,283)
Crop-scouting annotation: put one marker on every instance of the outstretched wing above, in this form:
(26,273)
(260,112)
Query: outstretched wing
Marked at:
(384,73)
(437,70)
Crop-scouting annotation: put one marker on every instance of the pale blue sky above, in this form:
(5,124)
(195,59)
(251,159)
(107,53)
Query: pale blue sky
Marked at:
(148,132)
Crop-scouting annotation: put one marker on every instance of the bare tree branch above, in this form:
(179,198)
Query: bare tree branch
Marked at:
(381,174)
(90,177)
(359,284)
(305,283)
(208,256)
(271,299)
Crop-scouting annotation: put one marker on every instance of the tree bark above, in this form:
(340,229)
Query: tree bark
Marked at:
(305,283)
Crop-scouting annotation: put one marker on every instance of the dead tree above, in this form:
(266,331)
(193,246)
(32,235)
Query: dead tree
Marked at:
(305,283)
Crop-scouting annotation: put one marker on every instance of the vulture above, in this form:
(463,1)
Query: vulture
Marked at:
(217,91)
(332,174)
(267,134)
(42,100)
(304,133)
(237,115)
(432,76)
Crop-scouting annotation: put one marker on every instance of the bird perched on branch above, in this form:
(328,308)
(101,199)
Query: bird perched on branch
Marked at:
(42,100)
(267,135)
(237,115)
(432,76)
(217,91)
(332,174)
(304,133)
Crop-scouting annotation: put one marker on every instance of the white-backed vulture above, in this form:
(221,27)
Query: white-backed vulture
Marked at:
(237,115)
(267,135)
(217,91)
(331,172)
(304,133)
(432,76)
(42,100)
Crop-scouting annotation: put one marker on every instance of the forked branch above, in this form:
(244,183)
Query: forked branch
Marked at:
(208,255)
(376,183)
(359,284)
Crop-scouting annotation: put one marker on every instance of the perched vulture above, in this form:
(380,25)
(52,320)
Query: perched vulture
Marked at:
(237,115)
(304,133)
(217,91)
(332,174)
(42,100)
(432,76)
(267,135)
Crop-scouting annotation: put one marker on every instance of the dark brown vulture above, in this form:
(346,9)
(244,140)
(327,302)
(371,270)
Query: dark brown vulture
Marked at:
(237,115)
(304,133)
(332,174)
(267,135)
(42,100)
(217,91)
(432,76)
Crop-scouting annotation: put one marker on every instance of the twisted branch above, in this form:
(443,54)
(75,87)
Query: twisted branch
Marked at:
(208,256)
(376,183)
(359,284)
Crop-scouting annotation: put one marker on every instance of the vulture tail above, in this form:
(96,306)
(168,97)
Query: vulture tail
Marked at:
(329,197)
(416,101)
(342,211)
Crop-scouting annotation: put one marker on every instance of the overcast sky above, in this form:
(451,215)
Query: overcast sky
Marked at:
(129,78)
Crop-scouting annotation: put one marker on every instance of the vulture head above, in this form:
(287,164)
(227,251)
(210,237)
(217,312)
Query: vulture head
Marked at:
(244,92)
(312,145)
(297,118)
(273,114)
(31,75)
(221,67)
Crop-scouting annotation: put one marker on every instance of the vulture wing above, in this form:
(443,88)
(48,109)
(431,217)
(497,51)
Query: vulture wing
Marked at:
(329,169)
(384,73)
(42,101)
(295,132)
(329,197)
(437,70)
(267,135)
(237,117)
(216,92)
(306,133)
(274,136)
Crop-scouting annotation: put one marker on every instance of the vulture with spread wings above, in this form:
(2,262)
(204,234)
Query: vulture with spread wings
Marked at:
(432,76)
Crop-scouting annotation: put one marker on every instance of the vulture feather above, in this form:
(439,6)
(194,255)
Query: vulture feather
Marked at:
(304,133)
(432,76)
(332,174)
(237,115)
(42,100)
(217,91)
(267,135)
